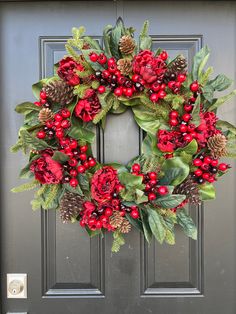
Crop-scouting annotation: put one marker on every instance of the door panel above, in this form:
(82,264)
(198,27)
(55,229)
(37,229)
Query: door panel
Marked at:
(67,271)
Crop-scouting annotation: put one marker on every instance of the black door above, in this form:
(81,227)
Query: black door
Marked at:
(68,272)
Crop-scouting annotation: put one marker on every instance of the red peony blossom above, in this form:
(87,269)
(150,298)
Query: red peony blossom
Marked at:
(88,107)
(207,128)
(168,141)
(67,71)
(149,67)
(103,184)
(47,170)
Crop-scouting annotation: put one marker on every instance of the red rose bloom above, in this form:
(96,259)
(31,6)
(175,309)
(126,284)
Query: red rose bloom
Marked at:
(88,107)
(103,184)
(47,170)
(149,67)
(67,71)
(168,141)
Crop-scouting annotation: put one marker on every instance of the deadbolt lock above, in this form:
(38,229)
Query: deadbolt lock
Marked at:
(16,285)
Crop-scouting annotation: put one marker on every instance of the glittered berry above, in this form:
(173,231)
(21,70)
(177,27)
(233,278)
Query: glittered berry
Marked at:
(81,169)
(151,196)
(152,175)
(82,156)
(174,114)
(207,160)
(93,57)
(73,173)
(72,162)
(128,92)
(134,214)
(92,162)
(198,172)
(211,179)
(181,78)
(73,144)
(98,224)
(171,84)
(214,163)
(162,190)
(74,182)
(105,74)
(183,128)
(173,122)
(188,138)
(223,167)
(65,124)
(186,117)
(136,167)
(65,113)
(102,59)
(161,94)
(163,55)
(41,134)
(43,95)
(101,89)
(58,117)
(194,86)
(59,134)
(83,148)
(188,108)
(206,176)
(155,87)
(118,91)
(111,62)
(197,162)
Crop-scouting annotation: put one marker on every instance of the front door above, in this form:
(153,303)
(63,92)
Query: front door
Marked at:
(66,271)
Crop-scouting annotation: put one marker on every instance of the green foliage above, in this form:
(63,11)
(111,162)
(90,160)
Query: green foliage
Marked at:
(80,90)
(207,191)
(76,43)
(93,43)
(135,222)
(26,107)
(60,157)
(146,228)
(204,76)
(26,186)
(151,163)
(81,131)
(199,61)
(196,110)
(117,242)
(225,125)
(157,224)
(76,190)
(149,145)
(170,201)
(186,222)
(145,41)
(31,141)
(107,101)
(221,100)
(175,171)
(107,40)
(220,83)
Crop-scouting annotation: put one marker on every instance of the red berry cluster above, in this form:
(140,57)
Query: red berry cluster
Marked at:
(175,85)
(152,189)
(207,168)
(42,100)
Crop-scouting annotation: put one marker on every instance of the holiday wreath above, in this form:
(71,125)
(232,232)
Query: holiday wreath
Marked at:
(184,139)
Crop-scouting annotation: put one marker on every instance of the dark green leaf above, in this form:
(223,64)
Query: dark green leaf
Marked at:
(145,41)
(207,191)
(208,93)
(225,125)
(80,132)
(156,223)
(130,180)
(146,228)
(33,141)
(190,149)
(135,222)
(92,233)
(196,111)
(60,157)
(220,83)
(175,171)
(25,107)
(186,222)
(199,61)
(170,201)
(119,167)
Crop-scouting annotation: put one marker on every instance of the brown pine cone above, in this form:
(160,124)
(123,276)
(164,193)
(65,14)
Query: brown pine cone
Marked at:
(59,91)
(125,66)
(189,188)
(217,145)
(45,114)
(70,206)
(125,226)
(127,44)
(176,67)
(116,220)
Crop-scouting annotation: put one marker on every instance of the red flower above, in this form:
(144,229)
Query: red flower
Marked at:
(88,107)
(47,170)
(148,66)
(67,71)
(207,128)
(168,141)
(103,184)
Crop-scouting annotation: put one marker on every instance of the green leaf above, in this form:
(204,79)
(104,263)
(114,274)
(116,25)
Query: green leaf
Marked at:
(156,223)
(51,196)
(196,111)
(129,180)
(207,191)
(186,222)
(221,101)
(146,228)
(36,88)
(32,141)
(225,125)
(25,172)
(170,201)
(107,40)
(76,190)
(175,171)
(220,83)
(25,107)
(26,186)
(116,33)
(93,233)
(140,196)
(203,78)
(81,132)
(84,182)
(149,145)
(117,242)
(95,65)
(199,61)
(191,148)
(119,167)
(107,100)
(60,157)
(93,43)
(135,222)
(148,126)
(145,41)
(208,93)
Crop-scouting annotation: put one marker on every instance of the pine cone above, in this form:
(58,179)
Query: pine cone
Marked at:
(45,114)
(116,220)
(127,44)
(176,67)
(189,188)
(125,226)
(217,145)
(59,92)
(125,66)
(70,206)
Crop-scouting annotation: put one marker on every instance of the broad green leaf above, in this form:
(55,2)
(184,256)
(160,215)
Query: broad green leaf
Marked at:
(225,125)
(148,126)
(191,148)
(32,141)
(76,190)
(220,101)
(156,224)
(207,191)
(145,41)
(60,157)
(140,196)
(199,62)
(170,236)
(135,222)
(170,201)
(220,83)
(146,228)
(175,171)
(186,222)
(203,78)
(208,93)
(25,107)
(196,111)
(119,167)
(107,40)
(149,145)
(116,33)
(80,132)
(130,180)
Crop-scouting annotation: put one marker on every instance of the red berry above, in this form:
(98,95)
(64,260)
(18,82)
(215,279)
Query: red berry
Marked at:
(73,144)
(171,84)
(128,92)
(92,162)
(214,163)
(135,78)
(37,103)
(102,59)
(186,117)
(43,101)
(197,162)
(73,173)
(211,180)
(111,62)
(183,128)
(86,165)
(198,172)
(151,196)
(101,89)
(154,97)
(65,113)
(98,224)
(121,80)
(163,55)
(188,137)
(122,213)
(188,108)
(153,182)
(65,124)
(72,162)
(103,219)
(58,117)
(134,214)
(223,167)
(57,124)
(81,169)
(43,95)
(105,74)
(74,182)
(194,86)
(207,160)
(181,78)
(92,222)
(155,87)
(41,134)
(83,148)
(206,175)
(112,68)
(118,91)
(152,175)
(173,122)
(59,134)
(119,187)
(162,190)
(174,114)
(82,156)
(93,57)
(82,223)
(136,167)
(148,186)
(49,124)
(163,86)
(161,94)
(108,211)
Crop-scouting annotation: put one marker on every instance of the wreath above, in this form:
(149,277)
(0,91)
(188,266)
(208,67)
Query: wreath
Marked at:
(183,143)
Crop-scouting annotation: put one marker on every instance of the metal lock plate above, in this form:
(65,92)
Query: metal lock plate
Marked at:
(17,286)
